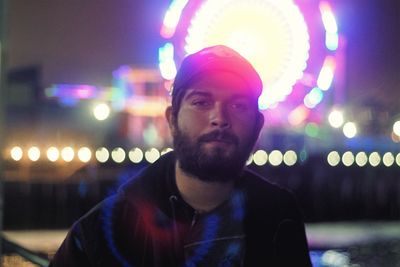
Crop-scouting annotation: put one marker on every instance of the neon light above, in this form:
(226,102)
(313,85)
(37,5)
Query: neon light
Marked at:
(326,74)
(172,17)
(166,61)
(313,98)
(329,21)
(298,115)
(272,35)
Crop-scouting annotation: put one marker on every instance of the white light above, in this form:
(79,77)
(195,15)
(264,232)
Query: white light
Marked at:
(166,150)
(135,155)
(152,155)
(84,154)
(336,119)
(166,61)
(249,160)
(34,153)
(396,128)
(374,159)
(271,34)
(361,159)
(348,158)
(260,157)
(16,153)
(275,158)
(102,154)
(118,155)
(53,154)
(350,129)
(388,159)
(290,158)
(333,158)
(101,111)
(68,154)
(398,159)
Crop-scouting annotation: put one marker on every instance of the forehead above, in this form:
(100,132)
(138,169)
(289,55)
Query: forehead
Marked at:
(221,83)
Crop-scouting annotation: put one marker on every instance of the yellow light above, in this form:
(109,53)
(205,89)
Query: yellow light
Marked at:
(361,159)
(67,154)
(260,157)
(136,155)
(152,155)
(374,159)
(53,154)
(398,159)
(333,158)
(275,158)
(118,155)
(84,154)
(166,150)
(16,153)
(388,159)
(34,153)
(348,158)
(101,111)
(290,158)
(102,154)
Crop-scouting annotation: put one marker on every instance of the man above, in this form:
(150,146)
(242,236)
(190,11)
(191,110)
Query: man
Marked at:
(198,206)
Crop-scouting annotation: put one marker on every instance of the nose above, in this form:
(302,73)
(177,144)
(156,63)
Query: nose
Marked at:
(219,117)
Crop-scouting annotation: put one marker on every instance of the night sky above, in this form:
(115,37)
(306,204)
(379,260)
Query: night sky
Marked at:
(83,41)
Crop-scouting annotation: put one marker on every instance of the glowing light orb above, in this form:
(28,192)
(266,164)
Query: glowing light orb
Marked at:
(290,158)
(53,154)
(102,154)
(275,158)
(135,155)
(374,159)
(271,34)
(388,159)
(16,153)
(152,155)
(348,158)
(34,153)
(350,129)
(336,118)
(101,111)
(118,155)
(68,154)
(396,128)
(333,158)
(260,157)
(84,154)
(361,159)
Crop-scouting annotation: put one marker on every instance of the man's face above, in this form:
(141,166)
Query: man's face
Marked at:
(216,127)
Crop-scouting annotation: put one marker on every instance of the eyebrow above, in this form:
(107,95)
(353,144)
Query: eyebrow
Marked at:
(196,92)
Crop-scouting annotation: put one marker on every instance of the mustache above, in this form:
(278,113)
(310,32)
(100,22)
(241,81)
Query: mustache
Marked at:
(219,135)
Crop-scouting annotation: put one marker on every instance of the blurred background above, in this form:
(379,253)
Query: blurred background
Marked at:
(84,86)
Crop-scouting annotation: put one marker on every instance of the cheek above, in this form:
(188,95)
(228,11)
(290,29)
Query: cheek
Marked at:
(192,124)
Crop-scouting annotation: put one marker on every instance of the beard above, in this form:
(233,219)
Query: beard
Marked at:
(215,164)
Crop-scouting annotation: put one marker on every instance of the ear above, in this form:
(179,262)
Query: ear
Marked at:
(170,119)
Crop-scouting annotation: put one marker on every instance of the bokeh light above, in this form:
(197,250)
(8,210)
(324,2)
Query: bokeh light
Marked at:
(84,154)
(135,155)
(350,129)
(101,111)
(374,159)
(290,158)
(16,153)
(275,157)
(118,155)
(333,158)
(34,153)
(260,157)
(348,158)
(53,154)
(67,154)
(388,159)
(336,118)
(102,154)
(361,159)
(152,155)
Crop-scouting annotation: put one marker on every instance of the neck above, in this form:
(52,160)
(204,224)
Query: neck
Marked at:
(201,195)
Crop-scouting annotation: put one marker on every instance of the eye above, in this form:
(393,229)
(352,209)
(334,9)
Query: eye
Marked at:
(240,105)
(201,102)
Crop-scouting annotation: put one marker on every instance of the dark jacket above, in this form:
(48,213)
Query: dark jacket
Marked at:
(143,224)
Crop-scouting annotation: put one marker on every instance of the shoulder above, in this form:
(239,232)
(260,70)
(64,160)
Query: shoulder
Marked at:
(264,195)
